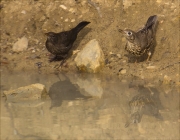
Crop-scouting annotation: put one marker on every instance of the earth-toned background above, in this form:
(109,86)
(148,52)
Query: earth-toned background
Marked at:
(82,105)
(33,18)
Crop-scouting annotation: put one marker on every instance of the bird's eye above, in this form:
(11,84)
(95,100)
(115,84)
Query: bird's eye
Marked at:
(52,36)
(129,33)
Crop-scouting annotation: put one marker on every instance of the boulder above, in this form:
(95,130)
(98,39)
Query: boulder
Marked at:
(27,93)
(20,45)
(91,58)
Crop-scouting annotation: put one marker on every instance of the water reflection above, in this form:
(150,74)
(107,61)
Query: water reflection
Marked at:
(87,106)
(146,102)
(64,90)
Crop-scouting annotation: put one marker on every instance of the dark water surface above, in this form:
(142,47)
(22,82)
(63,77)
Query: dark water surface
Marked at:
(87,106)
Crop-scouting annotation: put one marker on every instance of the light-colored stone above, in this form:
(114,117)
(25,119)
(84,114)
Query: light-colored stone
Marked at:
(151,67)
(166,80)
(23,12)
(127,3)
(91,58)
(119,56)
(63,7)
(31,92)
(72,10)
(123,71)
(66,20)
(72,20)
(20,45)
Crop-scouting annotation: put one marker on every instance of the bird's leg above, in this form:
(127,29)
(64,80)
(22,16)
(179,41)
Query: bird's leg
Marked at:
(62,62)
(149,54)
(137,60)
(53,58)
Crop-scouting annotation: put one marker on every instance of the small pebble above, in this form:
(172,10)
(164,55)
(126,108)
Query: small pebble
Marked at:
(23,12)
(72,20)
(124,61)
(63,7)
(33,51)
(119,56)
(42,18)
(71,10)
(151,67)
(66,20)
(166,80)
(123,71)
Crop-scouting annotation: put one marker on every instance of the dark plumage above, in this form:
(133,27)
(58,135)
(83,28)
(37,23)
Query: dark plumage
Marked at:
(140,42)
(59,44)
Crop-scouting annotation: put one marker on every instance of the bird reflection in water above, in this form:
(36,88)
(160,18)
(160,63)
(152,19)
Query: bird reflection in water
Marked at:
(147,102)
(64,90)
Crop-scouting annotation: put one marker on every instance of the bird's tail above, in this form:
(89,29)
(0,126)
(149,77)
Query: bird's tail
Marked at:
(80,26)
(151,22)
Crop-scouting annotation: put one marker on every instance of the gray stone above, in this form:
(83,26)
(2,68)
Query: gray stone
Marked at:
(91,58)
(27,93)
(20,45)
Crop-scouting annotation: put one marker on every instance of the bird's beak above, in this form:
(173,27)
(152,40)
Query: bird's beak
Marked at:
(122,31)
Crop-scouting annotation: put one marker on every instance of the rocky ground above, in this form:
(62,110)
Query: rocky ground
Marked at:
(33,18)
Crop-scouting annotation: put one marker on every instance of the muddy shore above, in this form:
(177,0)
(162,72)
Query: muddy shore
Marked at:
(33,18)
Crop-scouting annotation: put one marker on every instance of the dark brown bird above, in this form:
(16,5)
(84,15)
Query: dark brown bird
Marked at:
(59,44)
(140,42)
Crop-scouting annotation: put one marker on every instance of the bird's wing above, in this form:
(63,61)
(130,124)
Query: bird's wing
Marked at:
(63,38)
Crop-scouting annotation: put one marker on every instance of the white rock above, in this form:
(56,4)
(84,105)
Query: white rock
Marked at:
(23,12)
(72,20)
(63,7)
(72,10)
(127,3)
(166,80)
(91,58)
(20,45)
(31,92)
(66,20)
(151,67)
(123,71)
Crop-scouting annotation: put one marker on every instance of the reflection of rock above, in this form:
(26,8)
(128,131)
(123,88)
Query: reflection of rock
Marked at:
(88,84)
(91,58)
(27,137)
(64,90)
(31,92)
(146,102)
(20,45)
